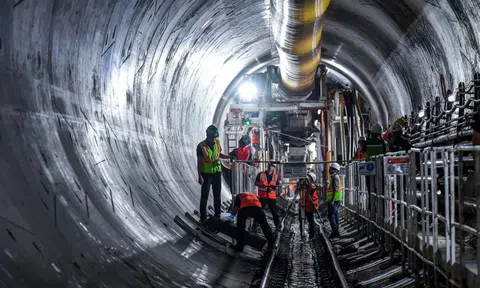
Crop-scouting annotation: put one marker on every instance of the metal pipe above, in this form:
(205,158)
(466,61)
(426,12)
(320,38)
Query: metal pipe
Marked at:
(297,30)
(286,106)
(443,138)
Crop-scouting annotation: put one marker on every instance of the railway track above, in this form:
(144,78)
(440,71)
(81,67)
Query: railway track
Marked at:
(302,263)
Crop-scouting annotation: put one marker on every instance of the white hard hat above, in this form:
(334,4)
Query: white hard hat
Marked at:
(362,138)
(313,176)
(376,129)
(335,166)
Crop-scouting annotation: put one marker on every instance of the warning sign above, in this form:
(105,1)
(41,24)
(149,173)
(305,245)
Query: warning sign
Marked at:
(294,171)
(397,165)
(367,168)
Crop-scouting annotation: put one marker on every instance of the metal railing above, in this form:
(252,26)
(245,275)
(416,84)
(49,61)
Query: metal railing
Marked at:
(421,201)
(243,178)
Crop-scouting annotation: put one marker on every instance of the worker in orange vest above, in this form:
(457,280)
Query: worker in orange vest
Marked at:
(310,202)
(247,205)
(362,149)
(267,182)
(242,153)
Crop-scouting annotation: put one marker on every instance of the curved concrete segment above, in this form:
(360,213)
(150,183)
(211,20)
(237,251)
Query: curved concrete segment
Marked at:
(103,102)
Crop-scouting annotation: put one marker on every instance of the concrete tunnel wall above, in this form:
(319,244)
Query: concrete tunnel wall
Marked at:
(104,102)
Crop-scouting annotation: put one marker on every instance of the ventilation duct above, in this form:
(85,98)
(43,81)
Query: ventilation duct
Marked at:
(297,30)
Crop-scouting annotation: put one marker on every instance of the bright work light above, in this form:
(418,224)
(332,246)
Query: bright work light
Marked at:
(247,91)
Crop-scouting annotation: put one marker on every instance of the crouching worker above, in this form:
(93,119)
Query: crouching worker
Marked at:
(247,205)
(311,201)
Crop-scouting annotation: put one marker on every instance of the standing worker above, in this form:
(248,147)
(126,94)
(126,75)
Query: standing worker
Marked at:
(334,196)
(361,150)
(375,144)
(242,152)
(266,182)
(311,202)
(247,205)
(397,141)
(209,169)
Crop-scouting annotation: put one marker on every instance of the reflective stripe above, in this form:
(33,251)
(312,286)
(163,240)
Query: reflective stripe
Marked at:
(211,158)
(248,200)
(308,204)
(262,192)
(338,194)
(243,153)
(360,155)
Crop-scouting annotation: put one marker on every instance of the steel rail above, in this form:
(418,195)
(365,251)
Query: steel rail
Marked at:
(268,268)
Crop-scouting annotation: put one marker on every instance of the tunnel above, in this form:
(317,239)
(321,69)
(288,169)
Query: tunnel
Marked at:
(104,102)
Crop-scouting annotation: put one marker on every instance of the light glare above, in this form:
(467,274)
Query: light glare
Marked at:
(247,91)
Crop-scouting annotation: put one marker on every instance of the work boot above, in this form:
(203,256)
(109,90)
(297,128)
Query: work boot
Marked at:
(203,220)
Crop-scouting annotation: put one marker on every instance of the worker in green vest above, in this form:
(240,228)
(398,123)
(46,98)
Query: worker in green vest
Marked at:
(209,153)
(375,144)
(334,199)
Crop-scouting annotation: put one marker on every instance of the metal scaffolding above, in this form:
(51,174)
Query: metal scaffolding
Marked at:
(425,204)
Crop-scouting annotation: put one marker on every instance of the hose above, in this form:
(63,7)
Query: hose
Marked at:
(297,30)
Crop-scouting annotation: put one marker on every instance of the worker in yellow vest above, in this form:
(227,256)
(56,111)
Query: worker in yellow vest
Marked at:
(209,169)
(334,197)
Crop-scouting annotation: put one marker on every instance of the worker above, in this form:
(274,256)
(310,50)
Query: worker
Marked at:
(242,153)
(397,141)
(267,182)
(361,150)
(311,201)
(388,134)
(248,205)
(334,197)
(256,138)
(375,143)
(209,170)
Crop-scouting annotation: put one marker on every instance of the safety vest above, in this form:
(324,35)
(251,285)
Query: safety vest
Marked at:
(268,192)
(360,154)
(243,153)
(211,158)
(338,194)
(309,206)
(375,147)
(255,139)
(248,199)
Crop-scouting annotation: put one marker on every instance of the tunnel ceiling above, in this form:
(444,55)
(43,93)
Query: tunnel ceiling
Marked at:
(103,103)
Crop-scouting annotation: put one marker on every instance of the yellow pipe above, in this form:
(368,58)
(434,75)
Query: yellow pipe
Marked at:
(298,41)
